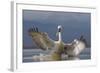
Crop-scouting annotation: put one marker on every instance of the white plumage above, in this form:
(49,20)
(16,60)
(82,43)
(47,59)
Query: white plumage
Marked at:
(56,48)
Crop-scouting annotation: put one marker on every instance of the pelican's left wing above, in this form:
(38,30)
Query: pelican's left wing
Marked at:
(41,39)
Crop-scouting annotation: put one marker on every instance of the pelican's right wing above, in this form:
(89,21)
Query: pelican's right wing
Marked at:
(41,39)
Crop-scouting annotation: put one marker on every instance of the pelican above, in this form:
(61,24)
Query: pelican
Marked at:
(57,48)
(75,47)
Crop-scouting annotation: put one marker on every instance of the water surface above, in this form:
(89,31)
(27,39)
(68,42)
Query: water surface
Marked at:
(29,53)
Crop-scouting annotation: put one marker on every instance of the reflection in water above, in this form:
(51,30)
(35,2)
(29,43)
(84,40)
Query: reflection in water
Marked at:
(45,57)
(73,58)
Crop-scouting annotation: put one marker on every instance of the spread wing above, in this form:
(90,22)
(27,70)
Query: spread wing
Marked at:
(75,47)
(41,39)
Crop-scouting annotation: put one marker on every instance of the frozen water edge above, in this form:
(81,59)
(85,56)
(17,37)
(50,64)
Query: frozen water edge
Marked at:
(28,55)
(81,57)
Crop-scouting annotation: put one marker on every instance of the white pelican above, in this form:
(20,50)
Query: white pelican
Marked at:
(75,48)
(57,48)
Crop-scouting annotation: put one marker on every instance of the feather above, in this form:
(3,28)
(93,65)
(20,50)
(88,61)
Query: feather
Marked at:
(41,39)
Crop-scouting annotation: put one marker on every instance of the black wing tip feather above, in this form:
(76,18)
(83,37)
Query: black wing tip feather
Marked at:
(83,40)
(34,29)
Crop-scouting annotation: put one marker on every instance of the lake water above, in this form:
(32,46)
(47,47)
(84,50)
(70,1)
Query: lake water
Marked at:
(29,53)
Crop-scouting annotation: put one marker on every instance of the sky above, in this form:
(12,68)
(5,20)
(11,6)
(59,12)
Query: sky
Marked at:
(74,25)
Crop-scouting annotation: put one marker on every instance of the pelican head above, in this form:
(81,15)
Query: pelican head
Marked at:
(59,28)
